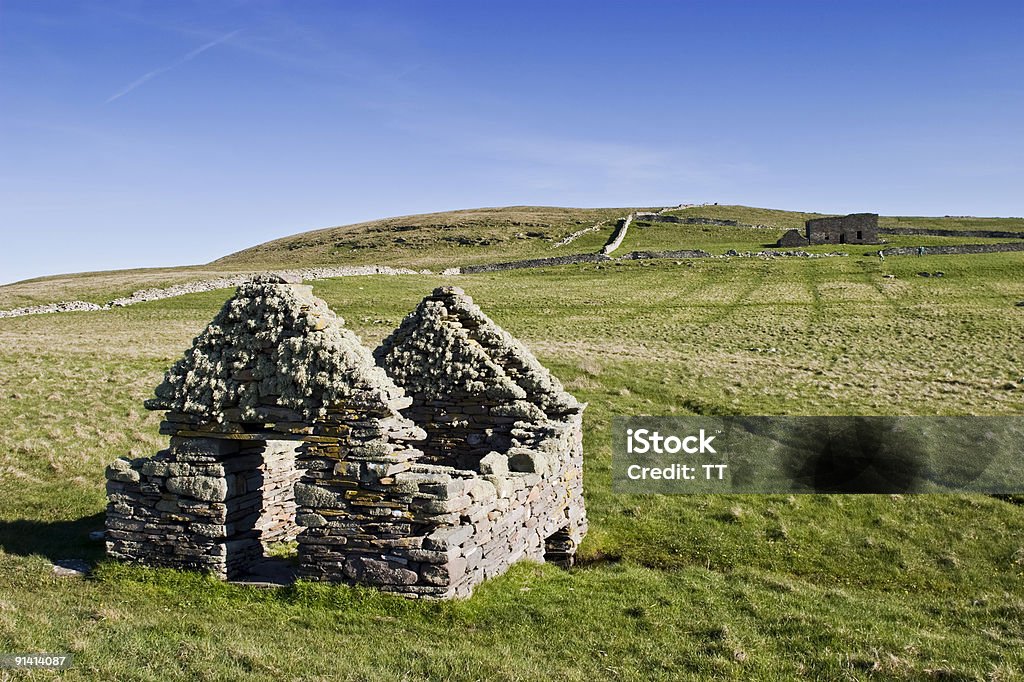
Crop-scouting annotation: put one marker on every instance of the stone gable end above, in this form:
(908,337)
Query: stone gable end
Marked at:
(456,456)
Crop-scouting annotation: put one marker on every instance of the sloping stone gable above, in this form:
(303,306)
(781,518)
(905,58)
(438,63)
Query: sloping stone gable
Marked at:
(283,426)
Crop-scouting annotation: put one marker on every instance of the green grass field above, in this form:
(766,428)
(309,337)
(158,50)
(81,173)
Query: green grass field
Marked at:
(668,587)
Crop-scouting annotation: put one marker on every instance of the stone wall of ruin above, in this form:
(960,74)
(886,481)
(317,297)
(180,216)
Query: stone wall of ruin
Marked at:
(430,530)
(204,503)
(792,238)
(283,426)
(843,229)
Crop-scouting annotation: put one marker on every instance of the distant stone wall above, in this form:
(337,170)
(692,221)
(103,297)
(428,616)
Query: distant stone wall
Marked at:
(632,255)
(618,235)
(952,249)
(643,255)
(991,234)
(284,426)
(530,263)
(565,241)
(696,220)
(146,295)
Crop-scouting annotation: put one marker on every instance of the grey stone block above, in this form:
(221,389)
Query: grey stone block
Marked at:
(205,488)
(494,463)
(122,470)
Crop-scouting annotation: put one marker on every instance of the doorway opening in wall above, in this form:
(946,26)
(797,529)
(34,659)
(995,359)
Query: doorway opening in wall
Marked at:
(842,238)
(560,548)
(261,528)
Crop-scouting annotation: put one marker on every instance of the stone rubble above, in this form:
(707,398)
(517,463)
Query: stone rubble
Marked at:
(733,253)
(455,456)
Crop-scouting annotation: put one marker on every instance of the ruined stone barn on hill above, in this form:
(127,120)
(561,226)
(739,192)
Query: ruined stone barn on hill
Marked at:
(440,464)
(856,228)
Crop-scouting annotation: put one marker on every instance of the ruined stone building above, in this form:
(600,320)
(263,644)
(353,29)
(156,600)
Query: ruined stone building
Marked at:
(856,228)
(421,469)
(792,238)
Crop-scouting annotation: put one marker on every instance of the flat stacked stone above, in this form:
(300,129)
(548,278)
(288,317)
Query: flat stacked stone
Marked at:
(274,359)
(470,381)
(271,394)
(282,426)
(488,406)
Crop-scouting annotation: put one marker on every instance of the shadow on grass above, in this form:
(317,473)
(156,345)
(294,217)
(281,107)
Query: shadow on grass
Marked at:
(597,559)
(53,539)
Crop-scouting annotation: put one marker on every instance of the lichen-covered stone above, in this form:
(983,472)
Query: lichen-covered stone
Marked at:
(494,463)
(210,530)
(377,572)
(448,344)
(282,427)
(310,520)
(205,488)
(317,497)
(122,470)
(527,461)
(273,342)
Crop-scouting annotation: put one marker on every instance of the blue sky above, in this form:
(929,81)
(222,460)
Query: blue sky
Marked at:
(142,133)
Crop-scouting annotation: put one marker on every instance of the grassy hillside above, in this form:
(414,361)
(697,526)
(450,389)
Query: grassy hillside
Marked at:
(437,241)
(441,240)
(748,215)
(432,241)
(670,587)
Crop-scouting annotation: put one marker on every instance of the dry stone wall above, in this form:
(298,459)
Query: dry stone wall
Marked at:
(282,425)
(488,406)
(565,241)
(203,504)
(618,235)
(647,255)
(935,232)
(156,294)
(689,220)
(529,263)
(1002,247)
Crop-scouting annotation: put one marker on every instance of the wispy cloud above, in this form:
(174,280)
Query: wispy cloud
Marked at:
(178,62)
